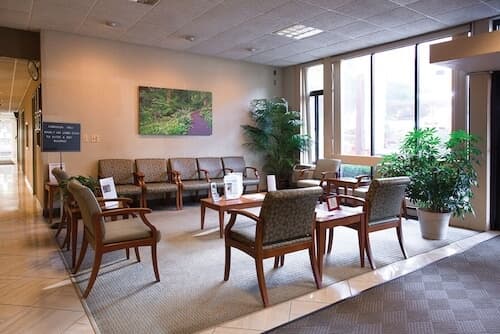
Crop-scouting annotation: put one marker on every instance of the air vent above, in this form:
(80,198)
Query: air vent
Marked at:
(146,2)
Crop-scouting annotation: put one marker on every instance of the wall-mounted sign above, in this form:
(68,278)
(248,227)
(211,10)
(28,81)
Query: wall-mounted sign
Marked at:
(60,137)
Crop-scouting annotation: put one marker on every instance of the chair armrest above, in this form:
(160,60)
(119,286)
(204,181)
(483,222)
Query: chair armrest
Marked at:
(227,170)
(139,179)
(174,177)
(255,171)
(328,175)
(235,213)
(363,180)
(207,178)
(354,198)
(125,200)
(125,211)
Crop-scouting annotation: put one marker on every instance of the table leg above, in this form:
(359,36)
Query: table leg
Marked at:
(361,242)
(203,209)
(221,223)
(74,236)
(50,201)
(321,239)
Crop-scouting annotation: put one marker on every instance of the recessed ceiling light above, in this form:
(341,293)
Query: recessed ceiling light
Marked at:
(112,24)
(298,31)
(190,38)
(251,49)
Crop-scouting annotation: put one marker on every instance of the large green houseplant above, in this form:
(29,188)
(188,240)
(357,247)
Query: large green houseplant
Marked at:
(276,134)
(442,175)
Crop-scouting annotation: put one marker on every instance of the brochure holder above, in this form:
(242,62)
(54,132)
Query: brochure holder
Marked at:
(108,192)
(233,185)
(52,165)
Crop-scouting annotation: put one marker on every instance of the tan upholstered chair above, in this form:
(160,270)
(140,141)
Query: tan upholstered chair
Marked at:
(316,176)
(285,225)
(188,175)
(128,183)
(383,208)
(112,235)
(157,179)
(211,170)
(237,165)
(62,178)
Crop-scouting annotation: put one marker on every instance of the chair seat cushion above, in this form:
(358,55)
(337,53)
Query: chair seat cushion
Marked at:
(161,187)
(360,191)
(128,189)
(250,181)
(383,220)
(246,234)
(195,184)
(305,183)
(127,230)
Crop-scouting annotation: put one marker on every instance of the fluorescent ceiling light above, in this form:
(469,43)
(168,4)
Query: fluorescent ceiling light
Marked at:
(298,31)
(146,2)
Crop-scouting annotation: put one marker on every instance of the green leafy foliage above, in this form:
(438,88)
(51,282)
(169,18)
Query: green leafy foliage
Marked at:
(442,174)
(276,134)
(86,181)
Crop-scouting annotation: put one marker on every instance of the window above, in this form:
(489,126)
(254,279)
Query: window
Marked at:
(434,92)
(393,98)
(355,106)
(313,119)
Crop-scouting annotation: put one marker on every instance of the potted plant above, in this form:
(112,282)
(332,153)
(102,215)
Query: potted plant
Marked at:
(276,134)
(87,181)
(441,173)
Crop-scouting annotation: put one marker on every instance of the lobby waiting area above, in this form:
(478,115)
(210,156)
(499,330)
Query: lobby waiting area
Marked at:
(245,167)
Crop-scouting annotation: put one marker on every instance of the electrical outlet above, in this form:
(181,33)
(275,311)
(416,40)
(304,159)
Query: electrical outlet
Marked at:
(85,138)
(98,138)
(93,138)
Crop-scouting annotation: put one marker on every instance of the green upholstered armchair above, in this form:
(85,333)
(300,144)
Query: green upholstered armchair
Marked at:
(111,235)
(383,206)
(285,224)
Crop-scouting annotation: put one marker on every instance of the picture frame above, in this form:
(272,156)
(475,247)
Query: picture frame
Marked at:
(332,203)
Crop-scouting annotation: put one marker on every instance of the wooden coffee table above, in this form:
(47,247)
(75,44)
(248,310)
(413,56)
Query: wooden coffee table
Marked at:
(345,216)
(222,205)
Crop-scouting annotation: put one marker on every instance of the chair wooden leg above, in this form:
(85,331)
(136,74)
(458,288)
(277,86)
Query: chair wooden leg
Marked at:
(314,266)
(83,251)
(276,262)
(399,231)
(154,258)
(227,265)
(95,270)
(330,240)
(369,250)
(282,258)
(127,253)
(62,223)
(137,255)
(259,265)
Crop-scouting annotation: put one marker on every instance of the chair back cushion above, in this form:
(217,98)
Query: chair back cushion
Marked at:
(385,196)
(237,164)
(326,165)
(122,170)
(154,170)
(60,175)
(187,167)
(288,214)
(88,206)
(212,165)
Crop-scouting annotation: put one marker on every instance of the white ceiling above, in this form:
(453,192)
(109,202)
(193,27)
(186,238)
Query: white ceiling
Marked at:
(230,28)
(14,82)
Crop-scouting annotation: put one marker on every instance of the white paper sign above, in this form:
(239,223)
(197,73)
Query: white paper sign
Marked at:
(109,191)
(233,185)
(52,165)
(271,183)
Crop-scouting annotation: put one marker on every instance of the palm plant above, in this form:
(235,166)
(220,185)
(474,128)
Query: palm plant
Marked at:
(276,134)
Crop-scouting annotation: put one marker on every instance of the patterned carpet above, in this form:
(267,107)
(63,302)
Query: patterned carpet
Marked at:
(192,294)
(459,294)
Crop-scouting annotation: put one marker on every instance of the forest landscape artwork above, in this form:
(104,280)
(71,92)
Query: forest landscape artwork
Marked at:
(165,111)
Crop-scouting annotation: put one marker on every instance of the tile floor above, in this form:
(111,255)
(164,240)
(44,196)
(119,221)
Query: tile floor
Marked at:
(37,295)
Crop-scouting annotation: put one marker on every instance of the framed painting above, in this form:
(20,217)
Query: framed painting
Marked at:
(173,112)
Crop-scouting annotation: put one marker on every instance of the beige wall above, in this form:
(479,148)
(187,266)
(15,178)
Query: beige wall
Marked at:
(95,82)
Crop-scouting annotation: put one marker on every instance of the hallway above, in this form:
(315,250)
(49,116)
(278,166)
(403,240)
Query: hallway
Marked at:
(36,294)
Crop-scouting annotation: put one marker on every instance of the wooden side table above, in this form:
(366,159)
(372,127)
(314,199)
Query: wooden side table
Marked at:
(51,189)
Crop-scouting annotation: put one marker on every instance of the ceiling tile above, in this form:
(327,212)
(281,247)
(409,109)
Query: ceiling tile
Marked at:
(395,17)
(77,4)
(97,28)
(365,8)
(126,13)
(235,53)
(467,14)
(300,58)
(267,42)
(328,21)
(14,19)
(379,37)
(404,2)
(328,4)
(16,5)
(175,43)
(493,3)
(357,29)
(296,11)
(435,7)
(419,27)
(52,16)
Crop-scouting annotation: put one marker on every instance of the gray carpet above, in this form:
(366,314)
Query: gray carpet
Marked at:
(192,294)
(459,294)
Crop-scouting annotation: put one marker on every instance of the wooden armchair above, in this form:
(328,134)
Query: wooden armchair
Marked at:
(211,170)
(186,171)
(128,183)
(316,176)
(383,207)
(237,164)
(285,225)
(112,235)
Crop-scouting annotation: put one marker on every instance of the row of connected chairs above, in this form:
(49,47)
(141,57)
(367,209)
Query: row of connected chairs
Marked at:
(105,230)
(140,177)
